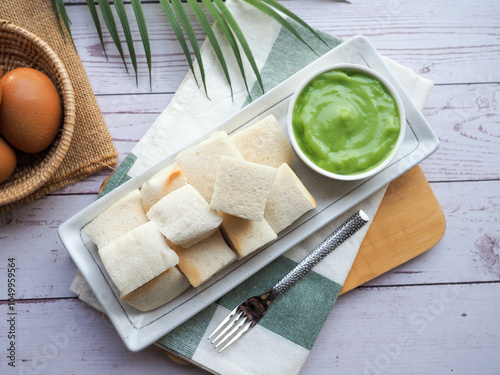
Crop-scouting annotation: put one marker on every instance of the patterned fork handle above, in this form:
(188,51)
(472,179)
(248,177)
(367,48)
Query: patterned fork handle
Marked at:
(353,224)
(248,313)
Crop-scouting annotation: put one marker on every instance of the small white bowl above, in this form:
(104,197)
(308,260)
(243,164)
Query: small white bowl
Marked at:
(367,72)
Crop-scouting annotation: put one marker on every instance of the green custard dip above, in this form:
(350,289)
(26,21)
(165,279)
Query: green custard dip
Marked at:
(345,122)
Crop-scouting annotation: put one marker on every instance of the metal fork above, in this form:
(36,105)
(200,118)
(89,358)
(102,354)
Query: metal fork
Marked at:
(249,312)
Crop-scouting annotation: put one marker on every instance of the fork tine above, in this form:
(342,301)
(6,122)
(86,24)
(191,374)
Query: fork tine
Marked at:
(235,329)
(229,325)
(225,321)
(238,335)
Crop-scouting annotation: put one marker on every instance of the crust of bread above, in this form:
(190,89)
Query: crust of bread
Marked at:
(246,236)
(199,163)
(288,200)
(184,217)
(162,183)
(247,178)
(203,260)
(241,188)
(264,143)
(137,257)
(121,217)
(158,291)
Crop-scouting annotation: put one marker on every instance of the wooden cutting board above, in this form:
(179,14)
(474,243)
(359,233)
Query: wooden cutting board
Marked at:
(409,222)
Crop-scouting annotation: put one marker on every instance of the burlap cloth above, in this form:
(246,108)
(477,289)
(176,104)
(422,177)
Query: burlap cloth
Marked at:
(91,146)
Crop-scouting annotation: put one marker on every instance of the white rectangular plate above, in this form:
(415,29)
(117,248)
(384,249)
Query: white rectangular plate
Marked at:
(138,329)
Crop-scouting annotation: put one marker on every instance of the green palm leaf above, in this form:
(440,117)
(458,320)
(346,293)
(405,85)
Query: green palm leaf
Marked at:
(58,16)
(141,23)
(230,38)
(109,20)
(294,17)
(97,23)
(179,21)
(277,17)
(228,17)
(178,33)
(60,11)
(122,15)
(212,38)
(181,13)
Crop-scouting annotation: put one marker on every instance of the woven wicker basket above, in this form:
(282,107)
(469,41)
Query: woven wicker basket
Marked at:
(20,48)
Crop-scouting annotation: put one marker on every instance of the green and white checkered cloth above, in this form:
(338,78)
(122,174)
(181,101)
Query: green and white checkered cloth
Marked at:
(285,336)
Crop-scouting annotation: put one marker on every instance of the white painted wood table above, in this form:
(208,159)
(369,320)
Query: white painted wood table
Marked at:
(434,315)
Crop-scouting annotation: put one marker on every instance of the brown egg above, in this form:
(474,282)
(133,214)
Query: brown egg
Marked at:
(31,110)
(8,160)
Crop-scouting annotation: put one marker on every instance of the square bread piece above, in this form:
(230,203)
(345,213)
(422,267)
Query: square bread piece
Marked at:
(203,260)
(184,217)
(288,200)
(158,291)
(162,183)
(121,217)
(241,188)
(137,257)
(246,236)
(264,143)
(199,163)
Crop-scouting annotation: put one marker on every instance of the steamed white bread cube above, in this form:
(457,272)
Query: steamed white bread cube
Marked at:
(162,183)
(202,261)
(199,162)
(121,217)
(137,257)
(158,291)
(184,217)
(246,236)
(264,143)
(241,188)
(288,200)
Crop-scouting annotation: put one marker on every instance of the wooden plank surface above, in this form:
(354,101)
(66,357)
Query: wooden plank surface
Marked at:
(423,321)
(454,43)
(443,41)
(430,329)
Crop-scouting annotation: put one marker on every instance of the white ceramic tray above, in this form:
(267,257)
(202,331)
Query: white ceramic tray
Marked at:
(138,329)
